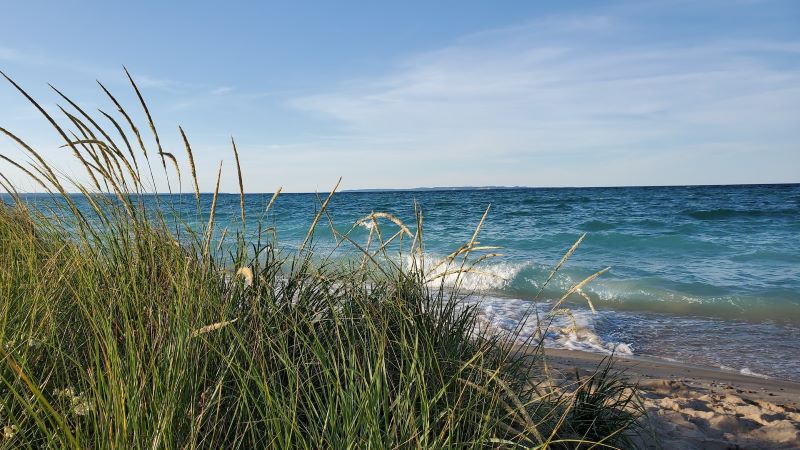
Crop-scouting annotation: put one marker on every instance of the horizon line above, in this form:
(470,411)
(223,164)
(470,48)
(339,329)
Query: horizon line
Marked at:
(456,188)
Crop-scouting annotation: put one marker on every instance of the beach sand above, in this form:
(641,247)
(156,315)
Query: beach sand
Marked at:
(694,407)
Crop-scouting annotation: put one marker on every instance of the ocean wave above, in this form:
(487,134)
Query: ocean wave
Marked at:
(744,371)
(734,346)
(767,256)
(650,294)
(727,213)
(596,225)
(486,277)
(521,319)
(663,242)
(691,299)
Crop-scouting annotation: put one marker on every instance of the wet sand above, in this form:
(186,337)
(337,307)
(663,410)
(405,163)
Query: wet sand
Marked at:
(694,407)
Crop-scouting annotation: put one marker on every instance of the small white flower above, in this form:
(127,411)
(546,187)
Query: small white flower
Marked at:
(9,431)
(81,406)
(67,392)
(247,275)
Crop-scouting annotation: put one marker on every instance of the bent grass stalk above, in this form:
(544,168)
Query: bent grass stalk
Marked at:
(191,166)
(212,213)
(241,183)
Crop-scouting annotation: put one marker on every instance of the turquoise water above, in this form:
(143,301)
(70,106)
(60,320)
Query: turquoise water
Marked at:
(702,274)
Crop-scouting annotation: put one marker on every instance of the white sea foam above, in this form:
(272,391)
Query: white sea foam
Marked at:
(746,371)
(516,316)
(743,371)
(486,277)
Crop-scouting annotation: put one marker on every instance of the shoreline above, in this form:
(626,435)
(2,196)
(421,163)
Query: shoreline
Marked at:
(696,407)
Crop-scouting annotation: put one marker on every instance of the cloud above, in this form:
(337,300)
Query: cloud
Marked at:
(569,87)
(9,54)
(222,90)
(94,71)
(164,84)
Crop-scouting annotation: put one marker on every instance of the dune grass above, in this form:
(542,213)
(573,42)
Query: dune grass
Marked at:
(120,329)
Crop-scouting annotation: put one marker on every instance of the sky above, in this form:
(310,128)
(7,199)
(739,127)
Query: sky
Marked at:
(418,94)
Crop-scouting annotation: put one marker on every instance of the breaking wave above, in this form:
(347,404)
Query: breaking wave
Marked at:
(529,322)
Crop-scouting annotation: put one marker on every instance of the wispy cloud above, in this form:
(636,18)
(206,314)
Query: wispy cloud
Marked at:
(8,54)
(222,90)
(568,87)
(150,82)
(93,70)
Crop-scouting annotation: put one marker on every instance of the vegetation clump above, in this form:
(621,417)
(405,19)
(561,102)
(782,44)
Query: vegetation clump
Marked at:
(121,326)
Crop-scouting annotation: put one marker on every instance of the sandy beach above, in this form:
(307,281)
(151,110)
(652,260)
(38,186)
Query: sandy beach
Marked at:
(694,407)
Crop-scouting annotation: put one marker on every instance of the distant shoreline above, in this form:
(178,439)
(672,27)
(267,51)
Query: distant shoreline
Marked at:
(464,188)
(512,188)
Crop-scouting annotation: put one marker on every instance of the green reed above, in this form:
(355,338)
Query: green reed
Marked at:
(113,334)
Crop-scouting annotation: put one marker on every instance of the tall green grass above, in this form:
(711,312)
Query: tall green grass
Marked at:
(116,334)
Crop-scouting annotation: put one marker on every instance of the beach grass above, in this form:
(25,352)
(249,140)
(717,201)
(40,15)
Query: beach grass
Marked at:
(123,327)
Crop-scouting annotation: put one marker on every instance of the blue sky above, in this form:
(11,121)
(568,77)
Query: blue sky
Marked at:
(407,94)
